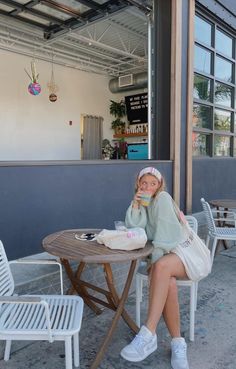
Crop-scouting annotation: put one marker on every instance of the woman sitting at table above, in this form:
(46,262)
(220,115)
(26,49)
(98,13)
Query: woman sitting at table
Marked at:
(164,229)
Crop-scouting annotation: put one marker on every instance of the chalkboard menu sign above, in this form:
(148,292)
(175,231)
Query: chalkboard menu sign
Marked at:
(136,108)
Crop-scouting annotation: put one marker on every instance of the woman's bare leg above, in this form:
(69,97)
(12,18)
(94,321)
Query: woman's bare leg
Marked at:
(171,309)
(161,273)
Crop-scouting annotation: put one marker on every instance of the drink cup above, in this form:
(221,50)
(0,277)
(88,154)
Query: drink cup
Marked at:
(120,225)
(145,198)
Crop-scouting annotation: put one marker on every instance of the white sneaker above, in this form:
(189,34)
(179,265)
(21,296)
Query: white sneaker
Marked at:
(143,344)
(179,354)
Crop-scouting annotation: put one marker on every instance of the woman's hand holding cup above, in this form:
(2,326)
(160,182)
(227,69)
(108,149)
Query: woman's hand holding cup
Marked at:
(145,198)
(142,198)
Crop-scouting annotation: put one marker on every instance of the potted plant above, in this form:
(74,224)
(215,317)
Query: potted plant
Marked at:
(118,125)
(107,149)
(117,109)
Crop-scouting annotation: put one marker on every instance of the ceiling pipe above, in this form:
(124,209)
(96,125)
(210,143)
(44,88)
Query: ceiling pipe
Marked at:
(140,80)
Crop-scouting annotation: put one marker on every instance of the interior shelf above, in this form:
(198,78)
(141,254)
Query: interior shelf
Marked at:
(121,135)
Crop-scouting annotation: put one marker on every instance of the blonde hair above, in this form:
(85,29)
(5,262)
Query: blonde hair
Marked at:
(162,182)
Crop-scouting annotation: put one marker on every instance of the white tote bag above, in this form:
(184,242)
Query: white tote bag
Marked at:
(193,251)
(129,239)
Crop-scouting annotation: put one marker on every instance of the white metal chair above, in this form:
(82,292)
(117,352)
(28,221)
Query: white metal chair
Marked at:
(141,276)
(218,233)
(38,317)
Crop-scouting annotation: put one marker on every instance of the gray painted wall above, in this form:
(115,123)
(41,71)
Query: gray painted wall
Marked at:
(213,178)
(37,200)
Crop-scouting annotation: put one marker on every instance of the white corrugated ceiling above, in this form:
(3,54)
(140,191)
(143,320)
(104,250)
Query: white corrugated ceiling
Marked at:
(106,37)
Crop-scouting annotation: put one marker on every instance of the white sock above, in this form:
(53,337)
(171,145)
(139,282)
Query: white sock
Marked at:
(178,339)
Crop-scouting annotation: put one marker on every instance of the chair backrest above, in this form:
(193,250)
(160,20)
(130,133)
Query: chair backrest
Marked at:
(209,217)
(192,221)
(6,279)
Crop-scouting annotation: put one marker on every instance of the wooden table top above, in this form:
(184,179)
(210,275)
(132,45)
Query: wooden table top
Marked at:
(224,203)
(64,245)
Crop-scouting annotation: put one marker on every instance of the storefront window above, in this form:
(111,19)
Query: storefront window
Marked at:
(202,116)
(222,120)
(203,31)
(222,146)
(224,43)
(214,91)
(202,60)
(201,144)
(223,94)
(223,69)
(202,88)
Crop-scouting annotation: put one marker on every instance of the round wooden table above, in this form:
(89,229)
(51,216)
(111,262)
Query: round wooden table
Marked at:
(65,246)
(224,203)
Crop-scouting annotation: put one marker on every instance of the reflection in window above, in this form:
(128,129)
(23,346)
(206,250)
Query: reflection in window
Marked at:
(223,94)
(202,60)
(222,120)
(201,144)
(223,69)
(202,88)
(222,145)
(224,43)
(202,116)
(203,31)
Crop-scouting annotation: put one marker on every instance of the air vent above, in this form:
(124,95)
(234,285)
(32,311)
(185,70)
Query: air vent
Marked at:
(126,80)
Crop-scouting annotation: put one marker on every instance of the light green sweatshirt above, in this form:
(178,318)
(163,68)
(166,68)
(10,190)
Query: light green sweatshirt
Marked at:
(160,223)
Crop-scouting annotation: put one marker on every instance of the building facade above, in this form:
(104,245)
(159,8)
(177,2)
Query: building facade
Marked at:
(193,136)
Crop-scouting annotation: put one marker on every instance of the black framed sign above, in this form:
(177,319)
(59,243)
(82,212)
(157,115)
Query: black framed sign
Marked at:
(137,108)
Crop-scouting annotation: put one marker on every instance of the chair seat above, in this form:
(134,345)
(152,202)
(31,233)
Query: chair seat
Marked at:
(38,317)
(224,232)
(65,317)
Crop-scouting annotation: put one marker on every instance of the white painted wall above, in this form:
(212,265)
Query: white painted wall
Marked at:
(32,127)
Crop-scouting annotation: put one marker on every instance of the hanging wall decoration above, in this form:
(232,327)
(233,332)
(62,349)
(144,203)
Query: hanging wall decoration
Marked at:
(34,87)
(53,88)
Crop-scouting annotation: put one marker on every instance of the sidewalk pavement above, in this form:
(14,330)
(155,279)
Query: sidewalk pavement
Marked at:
(214,346)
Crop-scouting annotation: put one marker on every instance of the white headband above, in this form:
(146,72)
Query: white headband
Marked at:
(152,171)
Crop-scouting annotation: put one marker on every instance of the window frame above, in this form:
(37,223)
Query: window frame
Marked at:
(211,103)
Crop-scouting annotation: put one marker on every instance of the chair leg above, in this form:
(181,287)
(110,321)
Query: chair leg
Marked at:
(68,352)
(141,288)
(7,350)
(192,311)
(139,292)
(196,291)
(76,349)
(213,249)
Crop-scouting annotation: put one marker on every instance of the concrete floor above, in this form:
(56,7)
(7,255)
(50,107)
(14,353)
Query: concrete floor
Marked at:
(214,346)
